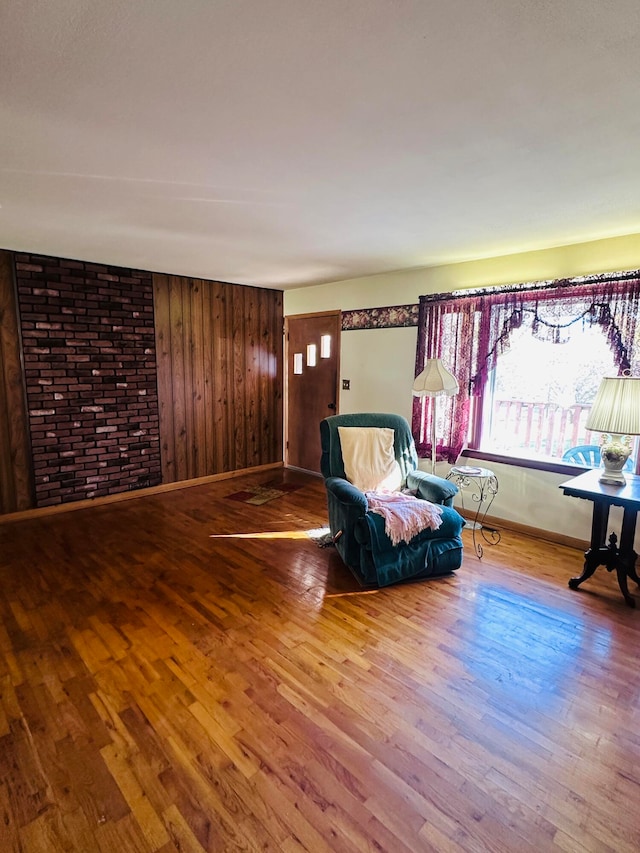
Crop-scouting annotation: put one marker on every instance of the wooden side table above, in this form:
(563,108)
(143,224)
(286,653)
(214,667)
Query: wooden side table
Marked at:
(619,557)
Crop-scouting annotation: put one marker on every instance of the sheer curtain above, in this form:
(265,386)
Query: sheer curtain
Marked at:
(469,330)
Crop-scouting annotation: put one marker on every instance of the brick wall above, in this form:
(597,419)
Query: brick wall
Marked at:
(90,367)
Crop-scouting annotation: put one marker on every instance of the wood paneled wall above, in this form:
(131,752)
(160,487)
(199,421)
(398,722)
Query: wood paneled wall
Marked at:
(219,376)
(16,479)
(219,354)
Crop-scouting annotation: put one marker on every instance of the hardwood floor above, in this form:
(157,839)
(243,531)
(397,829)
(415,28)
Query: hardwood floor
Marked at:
(185,672)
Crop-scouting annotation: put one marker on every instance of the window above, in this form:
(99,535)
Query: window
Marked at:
(311,355)
(538,396)
(325,346)
(528,359)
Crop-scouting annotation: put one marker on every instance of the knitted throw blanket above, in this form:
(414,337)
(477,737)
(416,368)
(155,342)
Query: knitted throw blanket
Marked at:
(404,516)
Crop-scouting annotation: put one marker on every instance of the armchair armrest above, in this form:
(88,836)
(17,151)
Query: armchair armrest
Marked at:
(347,507)
(429,487)
(346,493)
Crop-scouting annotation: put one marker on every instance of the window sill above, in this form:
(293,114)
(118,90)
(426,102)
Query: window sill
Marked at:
(552,465)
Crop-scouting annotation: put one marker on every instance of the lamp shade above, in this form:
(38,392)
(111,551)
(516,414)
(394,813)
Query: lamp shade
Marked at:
(435,380)
(616,409)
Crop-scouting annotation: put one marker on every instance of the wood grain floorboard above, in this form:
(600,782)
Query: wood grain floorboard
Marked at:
(184,672)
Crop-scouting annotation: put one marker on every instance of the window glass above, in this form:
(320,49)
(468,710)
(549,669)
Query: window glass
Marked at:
(311,355)
(325,346)
(538,398)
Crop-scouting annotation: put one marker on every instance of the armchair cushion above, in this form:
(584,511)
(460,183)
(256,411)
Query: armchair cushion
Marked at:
(368,457)
(428,554)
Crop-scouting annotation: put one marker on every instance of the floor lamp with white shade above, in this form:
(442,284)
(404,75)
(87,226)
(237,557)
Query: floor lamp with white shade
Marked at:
(435,381)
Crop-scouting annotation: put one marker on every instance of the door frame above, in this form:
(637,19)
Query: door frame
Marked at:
(332,313)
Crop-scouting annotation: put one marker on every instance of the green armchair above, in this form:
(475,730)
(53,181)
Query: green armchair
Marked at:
(359,534)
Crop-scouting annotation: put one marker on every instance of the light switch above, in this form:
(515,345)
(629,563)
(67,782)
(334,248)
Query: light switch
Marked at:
(346,384)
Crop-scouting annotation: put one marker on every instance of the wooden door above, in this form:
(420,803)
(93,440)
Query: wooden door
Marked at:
(313,362)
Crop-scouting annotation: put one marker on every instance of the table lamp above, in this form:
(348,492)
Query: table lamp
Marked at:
(616,413)
(434,381)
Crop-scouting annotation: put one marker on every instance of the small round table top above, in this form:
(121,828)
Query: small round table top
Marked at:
(471,471)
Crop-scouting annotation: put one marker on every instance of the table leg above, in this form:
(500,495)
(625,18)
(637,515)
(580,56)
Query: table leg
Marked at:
(626,563)
(487,490)
(621,571)
(631,572)
(599,524)
(597,553)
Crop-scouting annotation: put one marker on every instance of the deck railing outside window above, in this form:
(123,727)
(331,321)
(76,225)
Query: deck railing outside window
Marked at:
(539,429)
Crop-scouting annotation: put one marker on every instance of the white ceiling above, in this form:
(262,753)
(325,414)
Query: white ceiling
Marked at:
(290,142)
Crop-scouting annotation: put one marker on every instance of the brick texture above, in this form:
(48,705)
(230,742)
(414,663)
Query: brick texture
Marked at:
(90,366)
